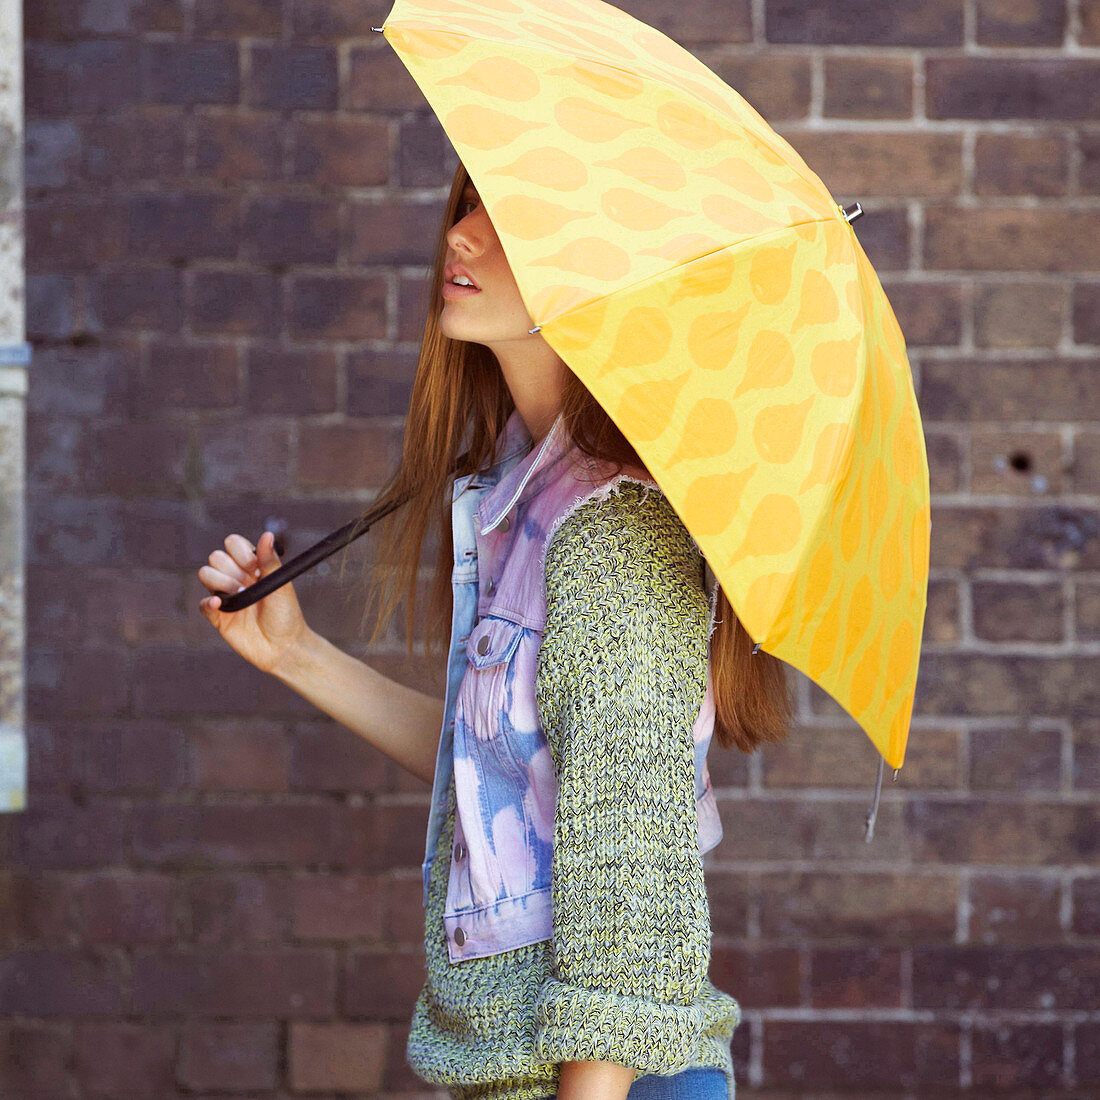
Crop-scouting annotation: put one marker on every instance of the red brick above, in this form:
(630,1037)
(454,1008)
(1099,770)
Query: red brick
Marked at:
(929,313)
(236,302)
(286,982)
(235,908)
(76,235)
(338,907)
(383,985)
(380,383)
(1086,754)
(229,1056)
(379,82)
(34,1059)
(730,895)
(88,77)
(57,834)
(135,298)
(402,909)
(190,72)
(758,977)
(387,836)
(864,905)
(237,755)
(226,833)
(329,757)
(61,982)
(868,87)
(851,1055)
(242,145)
(237,456)
(1048,88)
(777,84)
(855,977)
(1021,164)
(399,1076)
(188,376)
(1087,607)
(341,152)
(1019,315)
(338,18)
(1011,611)
(292,77)
(393,233)
(1086,313)
(290,230)
(125,1060)
(294,381)
(67,19)
(938,23)
(125,909)
(1018,463)
(344,1057)
(182,225)
(1090,22)
(82,381)
(1020,22)
(1086,1042)
(244,18)
(346,456)
(128,756)
(336,307)
(943,614)
(1014,908)
(50,306)
(36,906)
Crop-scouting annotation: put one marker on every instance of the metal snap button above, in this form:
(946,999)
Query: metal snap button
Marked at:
(460,937)
(491,587)
(504,525)
(483,644)
(460,850)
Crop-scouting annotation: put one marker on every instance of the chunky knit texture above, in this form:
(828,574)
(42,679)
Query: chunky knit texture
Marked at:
(621,675)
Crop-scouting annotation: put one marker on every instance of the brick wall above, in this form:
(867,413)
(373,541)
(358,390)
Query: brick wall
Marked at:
(214,890)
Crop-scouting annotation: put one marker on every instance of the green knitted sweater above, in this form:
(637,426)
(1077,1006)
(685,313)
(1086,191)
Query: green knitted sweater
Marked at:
(621,675)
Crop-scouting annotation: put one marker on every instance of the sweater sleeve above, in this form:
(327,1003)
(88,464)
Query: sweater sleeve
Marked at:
(620,678)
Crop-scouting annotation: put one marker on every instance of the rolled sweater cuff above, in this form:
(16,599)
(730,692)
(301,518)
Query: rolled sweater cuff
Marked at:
(574,1024)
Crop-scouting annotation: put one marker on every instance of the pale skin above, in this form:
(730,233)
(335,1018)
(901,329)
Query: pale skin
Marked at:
(273,635)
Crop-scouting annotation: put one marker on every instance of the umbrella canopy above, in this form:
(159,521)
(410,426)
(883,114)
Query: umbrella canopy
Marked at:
(703,284)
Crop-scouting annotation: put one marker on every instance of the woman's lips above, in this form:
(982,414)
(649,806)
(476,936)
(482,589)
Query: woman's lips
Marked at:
(453,290)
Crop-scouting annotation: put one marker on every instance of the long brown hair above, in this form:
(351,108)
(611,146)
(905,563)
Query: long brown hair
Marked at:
(460,404)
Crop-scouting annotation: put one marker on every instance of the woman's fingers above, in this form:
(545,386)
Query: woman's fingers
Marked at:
(220,582)
(242,552)
(222,563)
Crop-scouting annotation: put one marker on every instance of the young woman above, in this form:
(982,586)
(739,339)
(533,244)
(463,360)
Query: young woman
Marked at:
(567,930)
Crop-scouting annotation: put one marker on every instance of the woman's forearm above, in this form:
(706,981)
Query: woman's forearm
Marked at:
(594,1081)
(401,722)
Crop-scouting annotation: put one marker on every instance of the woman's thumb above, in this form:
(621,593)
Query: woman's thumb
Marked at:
(265,553)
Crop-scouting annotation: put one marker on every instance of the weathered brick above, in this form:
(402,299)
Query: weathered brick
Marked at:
(244,18)
(383,985)
(1085,311)
(61,982)
(240,456)
(1019,315)
(848,1054)
(36,905)
(50,306)
(337,907)
(974,831)
(237,302)
(402,908)
(1086,754)
(399,1076)
(1020,22)
(945,461)
(116,1059)
(238,145)
(74,78)
(62,20)
(379,82)
(109,465)
(759,976)
(212,834)
(1048,88)
(1086,1036)
(345,1057)
(1007,685)
(325,757)
(1090,22)
(228,1056)
(342,152)
(868,87)
(943,615)
(424,155)
(380,382)
(134,298)
(77,234)
(190,72)
(235,755)
(855,977)
(35,1058)
(830,905)
(125,909)
(292,77)
(863,22)
(1011,238)
(393,233)
(1015,758)
(1021,164)
(337,307)
(1020,978)
(868,164)
(1087,607)
(729,894)
(929,313)
(56,833)
(1014,908)
(296,381)
(386,836)
(182,226)
(1017,1056)
(776,84)
(1008,389)
(1016,611)
(338,18)
(288,982)
(288,230)
(89,682)
(238,907)
(345,456)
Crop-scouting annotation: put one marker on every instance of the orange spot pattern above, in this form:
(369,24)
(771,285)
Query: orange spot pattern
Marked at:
(700,279)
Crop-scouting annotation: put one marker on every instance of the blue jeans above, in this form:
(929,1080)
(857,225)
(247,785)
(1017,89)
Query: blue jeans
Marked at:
(697,1083)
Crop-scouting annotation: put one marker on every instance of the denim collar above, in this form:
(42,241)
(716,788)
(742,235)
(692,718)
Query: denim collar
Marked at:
(520,482)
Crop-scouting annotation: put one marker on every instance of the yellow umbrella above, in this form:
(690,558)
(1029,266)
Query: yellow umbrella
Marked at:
(703,284)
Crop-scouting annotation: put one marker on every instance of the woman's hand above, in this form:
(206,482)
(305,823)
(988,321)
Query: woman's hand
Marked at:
(267,630)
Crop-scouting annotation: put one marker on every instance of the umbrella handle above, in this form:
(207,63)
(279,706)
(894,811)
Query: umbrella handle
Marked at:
(307,559)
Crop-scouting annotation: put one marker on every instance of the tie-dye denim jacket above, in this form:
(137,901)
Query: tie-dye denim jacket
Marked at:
(498,895)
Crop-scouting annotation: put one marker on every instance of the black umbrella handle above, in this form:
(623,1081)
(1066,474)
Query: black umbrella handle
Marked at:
(307,559)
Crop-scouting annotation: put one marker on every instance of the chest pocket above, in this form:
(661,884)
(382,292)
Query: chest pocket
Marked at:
(488,687)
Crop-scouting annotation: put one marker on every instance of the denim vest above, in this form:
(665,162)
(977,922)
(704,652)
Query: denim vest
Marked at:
(498,895)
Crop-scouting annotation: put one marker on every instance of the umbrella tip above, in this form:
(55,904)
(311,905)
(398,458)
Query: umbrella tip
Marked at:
(377,28)
(851,212)
(756,648)
(535,329)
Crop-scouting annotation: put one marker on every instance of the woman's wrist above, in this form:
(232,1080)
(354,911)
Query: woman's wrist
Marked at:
(594,1081)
